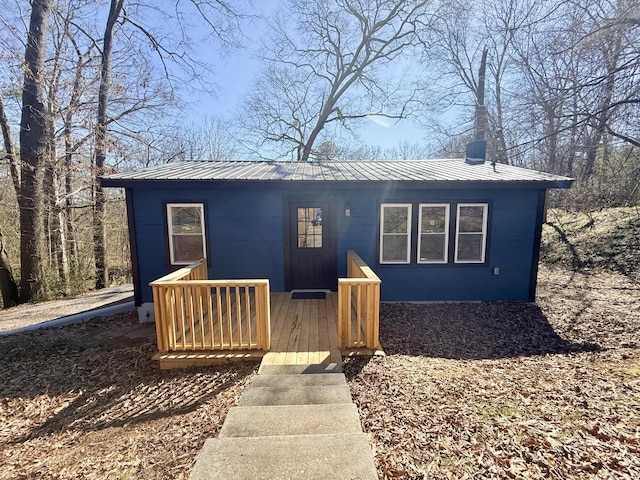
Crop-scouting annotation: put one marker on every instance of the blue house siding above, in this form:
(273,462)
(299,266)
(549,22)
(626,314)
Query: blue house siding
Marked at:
(245,228)
(510,247)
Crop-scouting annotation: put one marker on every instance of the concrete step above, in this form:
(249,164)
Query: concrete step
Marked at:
(265,396)
(291,369)
(291,420)
(312,457)
(297,380)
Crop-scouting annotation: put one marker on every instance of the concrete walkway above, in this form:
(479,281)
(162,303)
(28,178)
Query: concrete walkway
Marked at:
(292,422)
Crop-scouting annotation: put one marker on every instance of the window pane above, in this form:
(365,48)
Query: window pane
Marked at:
(432,248)
(187,248)
(395,220)
(433,219)
(186,219)
(470,247)
(471,219)
(310,227)
(394,248)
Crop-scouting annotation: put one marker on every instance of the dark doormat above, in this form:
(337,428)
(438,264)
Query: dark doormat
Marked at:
(308,295)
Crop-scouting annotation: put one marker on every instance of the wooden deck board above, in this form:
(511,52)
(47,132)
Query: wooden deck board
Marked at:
(334,347)
(293,321)
(324,350)
(303,331)
(314,347)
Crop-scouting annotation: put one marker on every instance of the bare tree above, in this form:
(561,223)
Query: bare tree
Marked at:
(580,90)
(475,47)
(33,149)
(8,286)
(210,139)
(328,65)
(99,240)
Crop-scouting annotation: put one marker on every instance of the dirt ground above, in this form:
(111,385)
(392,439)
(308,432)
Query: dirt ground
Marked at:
(475,390)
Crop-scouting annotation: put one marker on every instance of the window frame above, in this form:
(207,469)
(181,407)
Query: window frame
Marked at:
(485,220)
(407,234)
(171,234)
(445,259)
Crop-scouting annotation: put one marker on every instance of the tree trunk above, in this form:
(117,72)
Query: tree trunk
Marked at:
(481,107)
(8,148)
(601,119)
(8,286)
(66,217)
(33,149)
(99,239)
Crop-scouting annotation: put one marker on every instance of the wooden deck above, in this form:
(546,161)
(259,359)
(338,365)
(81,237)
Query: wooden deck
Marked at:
(304,331)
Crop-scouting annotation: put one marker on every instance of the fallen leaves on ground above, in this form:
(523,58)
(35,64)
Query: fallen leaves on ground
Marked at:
(508,390)
(467,390)
(77,403)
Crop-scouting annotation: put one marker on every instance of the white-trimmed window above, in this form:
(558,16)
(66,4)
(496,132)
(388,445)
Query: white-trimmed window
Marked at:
(395,232)
(185,224)
(471,233)
(433,233)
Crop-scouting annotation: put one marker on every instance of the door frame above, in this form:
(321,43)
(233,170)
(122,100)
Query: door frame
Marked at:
(331,237)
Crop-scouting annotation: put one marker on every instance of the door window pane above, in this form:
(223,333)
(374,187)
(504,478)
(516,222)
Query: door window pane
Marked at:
(310,227)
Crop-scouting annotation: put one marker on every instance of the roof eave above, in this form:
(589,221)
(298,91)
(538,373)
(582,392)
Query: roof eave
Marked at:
(547,184)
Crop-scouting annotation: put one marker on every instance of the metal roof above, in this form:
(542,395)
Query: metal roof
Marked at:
(450,170)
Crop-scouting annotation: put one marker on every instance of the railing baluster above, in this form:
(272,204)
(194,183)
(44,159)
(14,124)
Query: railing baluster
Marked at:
(210,315)
(359,315)
(229,316)
(220,327)
(247,313)
(363,288)
(239,317)
(182,306)
(191,302)
(171,293)
(186,313)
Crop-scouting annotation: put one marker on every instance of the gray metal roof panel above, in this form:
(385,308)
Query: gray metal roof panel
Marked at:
(381,171)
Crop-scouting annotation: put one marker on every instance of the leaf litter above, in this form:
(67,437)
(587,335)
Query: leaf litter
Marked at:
(77,403)
(508,389)
(467,390)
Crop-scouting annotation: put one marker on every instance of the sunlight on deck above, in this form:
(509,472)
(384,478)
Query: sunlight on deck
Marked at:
(303,332)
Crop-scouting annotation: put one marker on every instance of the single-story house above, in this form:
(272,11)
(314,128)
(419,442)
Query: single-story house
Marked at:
(432,230)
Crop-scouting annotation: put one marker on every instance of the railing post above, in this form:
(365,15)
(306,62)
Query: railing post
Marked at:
(159,320)
(363,288)
(341,300)
(189,315)
(266,346)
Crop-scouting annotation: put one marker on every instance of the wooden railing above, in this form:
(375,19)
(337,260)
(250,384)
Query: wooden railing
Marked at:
(358,305)
(196,314)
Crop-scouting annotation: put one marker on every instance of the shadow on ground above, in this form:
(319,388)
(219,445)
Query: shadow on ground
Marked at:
(92,382)
(471,331)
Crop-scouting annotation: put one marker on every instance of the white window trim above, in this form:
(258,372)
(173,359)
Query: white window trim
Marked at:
(407,234)
(446,233)
(171,234)
(485,209)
